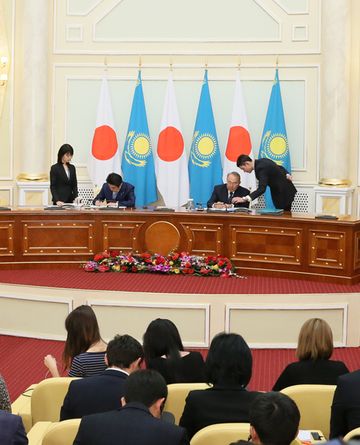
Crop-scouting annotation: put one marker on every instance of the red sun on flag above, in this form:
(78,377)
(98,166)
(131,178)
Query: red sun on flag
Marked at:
(104,145)
(238,143)
(170,144)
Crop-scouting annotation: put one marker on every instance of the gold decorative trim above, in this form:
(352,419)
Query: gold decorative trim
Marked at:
(32,177)
(335,182)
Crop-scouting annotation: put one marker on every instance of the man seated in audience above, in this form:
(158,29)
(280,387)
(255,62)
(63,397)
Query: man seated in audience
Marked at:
(103,392)
(274,420)
(345,409)
(229,194)
(138,422)
(11,429)
(116,192)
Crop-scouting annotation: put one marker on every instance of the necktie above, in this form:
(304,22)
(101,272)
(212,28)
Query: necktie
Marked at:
(231,195)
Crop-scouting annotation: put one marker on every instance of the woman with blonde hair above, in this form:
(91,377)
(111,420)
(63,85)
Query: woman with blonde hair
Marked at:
(314,349)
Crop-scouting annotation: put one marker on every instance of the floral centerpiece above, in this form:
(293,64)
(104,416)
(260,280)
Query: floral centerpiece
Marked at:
(174,263)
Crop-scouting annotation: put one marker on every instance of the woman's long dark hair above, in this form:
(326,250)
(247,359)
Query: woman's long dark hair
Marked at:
(82,332)
(65,148)
(162,338)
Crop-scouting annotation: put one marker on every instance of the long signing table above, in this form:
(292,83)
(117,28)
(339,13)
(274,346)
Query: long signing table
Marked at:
(289,245)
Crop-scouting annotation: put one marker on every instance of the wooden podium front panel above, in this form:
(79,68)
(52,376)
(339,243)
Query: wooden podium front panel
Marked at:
(327,249)
(204,238)
(357,250)
(279,245)
(121,234)
(6,238)
(58,238)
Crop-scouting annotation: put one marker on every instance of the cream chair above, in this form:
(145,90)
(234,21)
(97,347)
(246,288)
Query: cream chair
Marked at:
(314,403)
(62,433)
(351,434)
(22,407)
(221,434)
(47,399)
(177,393)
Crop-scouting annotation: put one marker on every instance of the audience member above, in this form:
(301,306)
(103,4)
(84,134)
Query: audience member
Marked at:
(4,396)
(229,194)
(116,192)
(315,346)
(138,422)
(164,352)
(345,410)
(103,392)
(228,368)
(84,352)
(274,420)
(12,430)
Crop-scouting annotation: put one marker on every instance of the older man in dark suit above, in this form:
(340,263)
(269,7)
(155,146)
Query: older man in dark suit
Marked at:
(12,430)
(269,174)
(138,422)
(229,194)
(116,192)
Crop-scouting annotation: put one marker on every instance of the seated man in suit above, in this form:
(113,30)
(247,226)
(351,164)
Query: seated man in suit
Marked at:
(229,194)
(103,392)
(12,430)
(116,192)
(274,420)
(138,421)
(345,409)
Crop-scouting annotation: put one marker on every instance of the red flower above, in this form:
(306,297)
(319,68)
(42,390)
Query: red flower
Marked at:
(114,253)
(134,269)
(103,268)
(123,268)
(204,271)
(175,256)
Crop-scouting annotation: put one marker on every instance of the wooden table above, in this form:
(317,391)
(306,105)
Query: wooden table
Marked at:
(290,245)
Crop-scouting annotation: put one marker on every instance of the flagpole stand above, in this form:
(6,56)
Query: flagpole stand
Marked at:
(334,197)
(33,193)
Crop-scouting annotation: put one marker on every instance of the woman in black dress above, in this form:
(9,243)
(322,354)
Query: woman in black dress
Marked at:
(165,353)
(63,182)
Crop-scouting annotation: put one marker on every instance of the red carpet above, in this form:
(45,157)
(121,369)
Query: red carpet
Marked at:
(79,279)
(21,362)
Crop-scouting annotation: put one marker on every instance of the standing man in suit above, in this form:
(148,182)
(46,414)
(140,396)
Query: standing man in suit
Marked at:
(138,421)
(12,430)
(103,392)
(268,173)
(345,409)
(229,194)
(63,182)
(116,192)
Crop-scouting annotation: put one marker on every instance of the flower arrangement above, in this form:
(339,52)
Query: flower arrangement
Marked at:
(174,263)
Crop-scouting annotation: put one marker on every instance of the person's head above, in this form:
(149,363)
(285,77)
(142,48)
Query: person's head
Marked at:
(82,331)
(233,181)
(229,361)
(315,340)
(274,419)
(114,182)
(245,163)
(65,153)
(124,352)
(148,387)
(162,338)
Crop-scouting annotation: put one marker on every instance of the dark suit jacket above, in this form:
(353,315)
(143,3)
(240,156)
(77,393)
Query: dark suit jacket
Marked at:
(63,188)
(313,372)
(125,196)
(268,173)
(131,425)
(220,194)
(12,430)
(216,405)
(345,410)
(94,394)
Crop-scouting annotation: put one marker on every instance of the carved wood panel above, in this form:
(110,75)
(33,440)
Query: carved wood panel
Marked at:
(122,235)
(357,250)
(6,239)
(204,238)
(327,249)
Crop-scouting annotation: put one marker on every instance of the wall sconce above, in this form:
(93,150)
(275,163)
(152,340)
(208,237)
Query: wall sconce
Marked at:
(3,69)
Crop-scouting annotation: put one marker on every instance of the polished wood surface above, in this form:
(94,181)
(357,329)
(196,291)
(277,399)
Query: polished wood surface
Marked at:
(290,245)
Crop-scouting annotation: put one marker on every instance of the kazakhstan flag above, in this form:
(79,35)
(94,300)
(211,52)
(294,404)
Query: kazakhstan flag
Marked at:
(274,143)
(204,161)
(137,160)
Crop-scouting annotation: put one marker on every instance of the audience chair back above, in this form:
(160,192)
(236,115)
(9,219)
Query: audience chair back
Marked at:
(314,403)
(355,433)
(177,393)
(47,399)
(221,434)
(62,433)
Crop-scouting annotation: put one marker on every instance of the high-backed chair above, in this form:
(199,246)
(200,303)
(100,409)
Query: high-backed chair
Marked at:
(62,433)
(47,399)
(351,434)
(177,393)
(22,407)
(314,403)
(221,434)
